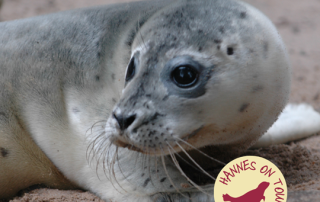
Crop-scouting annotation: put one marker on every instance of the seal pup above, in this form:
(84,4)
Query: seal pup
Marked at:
(106,98)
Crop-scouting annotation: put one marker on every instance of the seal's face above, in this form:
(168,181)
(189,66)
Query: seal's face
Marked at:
(159,101)
(192,81)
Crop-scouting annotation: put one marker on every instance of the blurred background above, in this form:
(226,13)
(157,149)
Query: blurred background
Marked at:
(298,22)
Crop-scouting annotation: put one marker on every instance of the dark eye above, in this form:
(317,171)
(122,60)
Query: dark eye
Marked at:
(184,76)
(131,70)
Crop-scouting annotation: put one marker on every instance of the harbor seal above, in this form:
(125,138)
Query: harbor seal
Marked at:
(112,99)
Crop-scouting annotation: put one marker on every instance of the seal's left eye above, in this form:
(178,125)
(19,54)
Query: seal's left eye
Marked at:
(184,76)
(131,70)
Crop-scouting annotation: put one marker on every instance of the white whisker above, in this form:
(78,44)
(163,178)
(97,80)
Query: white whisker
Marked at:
(182,172)
(166,171)
(205,172)
(206,155)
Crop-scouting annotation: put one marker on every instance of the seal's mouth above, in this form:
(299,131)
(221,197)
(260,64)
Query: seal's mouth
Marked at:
(155,152)
(126,145)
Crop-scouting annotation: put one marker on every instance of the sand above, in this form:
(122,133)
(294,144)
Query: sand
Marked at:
(298,23)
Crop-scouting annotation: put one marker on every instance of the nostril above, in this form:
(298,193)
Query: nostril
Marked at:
(124,122)
(130,120)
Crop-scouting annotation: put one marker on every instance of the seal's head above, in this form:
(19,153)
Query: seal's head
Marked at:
(201,73)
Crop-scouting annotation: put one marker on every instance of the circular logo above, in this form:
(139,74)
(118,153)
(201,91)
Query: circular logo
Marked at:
(250,179)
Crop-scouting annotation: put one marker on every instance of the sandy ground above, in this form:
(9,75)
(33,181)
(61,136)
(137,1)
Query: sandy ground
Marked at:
(299,24)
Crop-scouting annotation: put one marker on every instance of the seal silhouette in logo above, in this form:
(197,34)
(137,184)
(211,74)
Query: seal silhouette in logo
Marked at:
(255,195)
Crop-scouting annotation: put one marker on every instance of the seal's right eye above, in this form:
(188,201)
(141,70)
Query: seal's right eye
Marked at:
(131,70)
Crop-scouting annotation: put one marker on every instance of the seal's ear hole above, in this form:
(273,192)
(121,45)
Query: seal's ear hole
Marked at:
(230,51)
(185,76)
(131,70)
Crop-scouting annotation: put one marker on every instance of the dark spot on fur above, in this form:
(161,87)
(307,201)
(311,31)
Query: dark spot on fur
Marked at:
(97,78)
(244,107)
(265,49)
(257,88)
(165,98)
(221,29)
(243,15)
(131,36)
(200,48)
(2,114)
(144,104)
(142,174)
(98,55)
(4,152)
(114,100)
(217,41)
(218,47)
(171,186)
(163,179)
(113,76)
(230,51)
(75,110)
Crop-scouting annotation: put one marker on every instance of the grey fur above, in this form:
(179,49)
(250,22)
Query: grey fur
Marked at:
(64,99)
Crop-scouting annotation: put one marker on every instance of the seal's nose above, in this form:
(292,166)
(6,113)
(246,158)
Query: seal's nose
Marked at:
(123,121)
